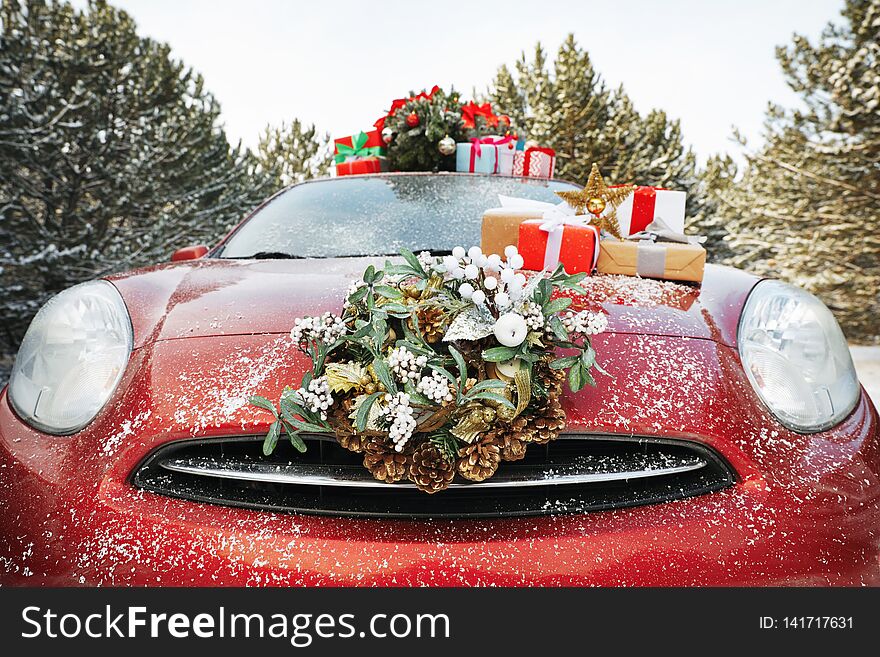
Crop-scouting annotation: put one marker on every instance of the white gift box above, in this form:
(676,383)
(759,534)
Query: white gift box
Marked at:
(534,163)
(647,203)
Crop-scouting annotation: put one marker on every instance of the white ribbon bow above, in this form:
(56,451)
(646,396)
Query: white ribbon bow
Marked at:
(556,216)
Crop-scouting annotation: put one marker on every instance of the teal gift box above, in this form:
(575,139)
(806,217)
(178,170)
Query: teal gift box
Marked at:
(476,157)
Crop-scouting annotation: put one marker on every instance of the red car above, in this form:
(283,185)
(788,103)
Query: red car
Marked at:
(730,443)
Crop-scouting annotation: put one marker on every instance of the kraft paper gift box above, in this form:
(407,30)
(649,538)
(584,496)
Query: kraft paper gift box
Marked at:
(648,203)
(666,260)
(501,227)
(534,163)
(544,244)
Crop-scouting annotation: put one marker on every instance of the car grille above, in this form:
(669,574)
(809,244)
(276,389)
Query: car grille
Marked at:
(574,474)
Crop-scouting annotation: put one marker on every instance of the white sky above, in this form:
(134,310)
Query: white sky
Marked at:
(339,64)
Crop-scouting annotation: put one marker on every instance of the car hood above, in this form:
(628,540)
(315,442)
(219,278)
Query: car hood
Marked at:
(214,297)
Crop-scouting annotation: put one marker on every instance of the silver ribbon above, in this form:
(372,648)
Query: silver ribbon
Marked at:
(659,231)
(651,256)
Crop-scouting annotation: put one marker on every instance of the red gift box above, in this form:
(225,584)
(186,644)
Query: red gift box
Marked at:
(359,166)
(544,244)
(373,141)
(534,162)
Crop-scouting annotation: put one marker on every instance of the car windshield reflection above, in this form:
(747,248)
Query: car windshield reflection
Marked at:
(378,215)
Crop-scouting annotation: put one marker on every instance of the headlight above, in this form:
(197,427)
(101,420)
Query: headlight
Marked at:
(72,358)
(796,357)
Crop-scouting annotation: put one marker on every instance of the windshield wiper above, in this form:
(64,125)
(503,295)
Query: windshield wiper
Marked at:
(270,255)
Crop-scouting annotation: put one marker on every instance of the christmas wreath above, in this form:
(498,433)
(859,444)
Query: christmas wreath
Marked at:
(440,366)
(421,131)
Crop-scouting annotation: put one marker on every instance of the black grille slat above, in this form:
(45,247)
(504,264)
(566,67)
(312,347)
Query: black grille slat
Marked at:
(611,471)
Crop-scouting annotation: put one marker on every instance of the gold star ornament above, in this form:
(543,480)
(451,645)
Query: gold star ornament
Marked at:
(595,197)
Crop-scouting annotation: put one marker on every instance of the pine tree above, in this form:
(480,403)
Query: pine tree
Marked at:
(808,206)
(293,152)
(711,215)
(111,153)
(572,111)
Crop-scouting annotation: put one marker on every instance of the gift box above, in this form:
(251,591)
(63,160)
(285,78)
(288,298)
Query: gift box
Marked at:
(486,155)
(667,260)
(506,154)
(361,145)
(501,227)
(648,203)
(534,163)
(361,165)
(544,244)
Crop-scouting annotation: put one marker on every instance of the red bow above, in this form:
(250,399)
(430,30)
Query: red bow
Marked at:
(471,111)
(401,102)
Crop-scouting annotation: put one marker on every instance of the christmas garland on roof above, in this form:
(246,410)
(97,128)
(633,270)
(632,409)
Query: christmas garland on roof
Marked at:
(421,131)
(440,367)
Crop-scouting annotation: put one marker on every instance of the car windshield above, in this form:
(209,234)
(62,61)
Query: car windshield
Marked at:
(377,215)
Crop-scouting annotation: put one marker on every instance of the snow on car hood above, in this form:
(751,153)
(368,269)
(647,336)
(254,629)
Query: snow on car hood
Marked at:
(215,297)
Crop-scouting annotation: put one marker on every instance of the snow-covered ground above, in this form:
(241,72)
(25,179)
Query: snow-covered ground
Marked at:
(867,361)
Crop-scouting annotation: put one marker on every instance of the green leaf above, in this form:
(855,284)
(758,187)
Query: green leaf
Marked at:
(360,333)
(263,403)
(545,289)
(396,310)
(574,378)
(449,375)
(504,401)
(272,438)
(563,363)
(358,295)
(556,305)
(290,409)
(363,412)
(557,327)
(498,354)
(414,335)
(388,292)
(488,384)
(413,262)
(588,357)
(369,274)
(380,367)
(399,270)
(295,439)
(587,378)
(460,364)
(417,349)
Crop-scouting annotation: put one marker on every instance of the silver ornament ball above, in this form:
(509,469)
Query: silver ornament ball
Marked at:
(387,135)
(446,146)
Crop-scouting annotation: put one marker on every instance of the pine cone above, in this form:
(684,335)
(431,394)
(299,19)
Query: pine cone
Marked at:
(384,463)
(548,421)
(521,428)
(429,469)
(345,433)
(479,460)
(432,323)
(551,380)
(513,449)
